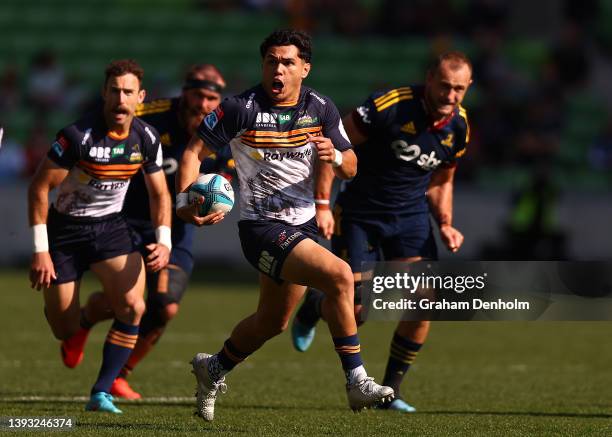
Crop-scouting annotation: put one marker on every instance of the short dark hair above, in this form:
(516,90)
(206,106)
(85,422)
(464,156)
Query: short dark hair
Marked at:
(455,57)
(208,71)
(288,37)
(121,67)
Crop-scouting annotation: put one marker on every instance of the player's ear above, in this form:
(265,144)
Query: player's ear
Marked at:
(141,95)
(305,70)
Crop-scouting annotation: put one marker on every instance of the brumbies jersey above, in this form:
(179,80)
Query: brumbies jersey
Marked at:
(274,159)
(101,164)
(403,148)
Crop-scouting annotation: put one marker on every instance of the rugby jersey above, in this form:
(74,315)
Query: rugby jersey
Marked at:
(274,160)
(403,148)
(101,164)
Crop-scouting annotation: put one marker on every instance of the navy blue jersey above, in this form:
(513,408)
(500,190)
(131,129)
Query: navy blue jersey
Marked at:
(101,164)
(403,149)
(274,159)
(163,114)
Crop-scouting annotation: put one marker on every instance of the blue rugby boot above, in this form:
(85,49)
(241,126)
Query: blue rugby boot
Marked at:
(103,402)
(302,335)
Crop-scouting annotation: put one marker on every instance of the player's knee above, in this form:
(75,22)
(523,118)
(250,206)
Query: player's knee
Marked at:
(131,306)
(168,312)
(342,283)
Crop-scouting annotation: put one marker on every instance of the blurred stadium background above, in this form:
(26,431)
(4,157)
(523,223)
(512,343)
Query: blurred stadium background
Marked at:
(534,185)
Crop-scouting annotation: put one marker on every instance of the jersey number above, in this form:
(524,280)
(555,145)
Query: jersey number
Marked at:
(411,152)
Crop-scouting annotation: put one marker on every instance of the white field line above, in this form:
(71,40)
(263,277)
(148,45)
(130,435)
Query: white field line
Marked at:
(148,400)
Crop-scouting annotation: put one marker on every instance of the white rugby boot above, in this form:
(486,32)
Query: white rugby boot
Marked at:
(366,394)
(207,389)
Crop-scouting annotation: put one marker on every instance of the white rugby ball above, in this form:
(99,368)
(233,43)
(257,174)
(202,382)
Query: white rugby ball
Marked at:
(217,193)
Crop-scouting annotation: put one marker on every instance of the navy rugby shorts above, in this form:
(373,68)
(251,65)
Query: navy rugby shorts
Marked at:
(369,240)
(267,243)
(77,242)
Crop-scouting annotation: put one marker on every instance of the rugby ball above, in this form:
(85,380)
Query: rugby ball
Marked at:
(217,193)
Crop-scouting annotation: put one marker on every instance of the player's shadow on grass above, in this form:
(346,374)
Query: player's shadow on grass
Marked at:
(522,413)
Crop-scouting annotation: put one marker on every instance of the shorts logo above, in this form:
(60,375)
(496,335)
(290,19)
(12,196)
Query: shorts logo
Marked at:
(266,263)
(283,241)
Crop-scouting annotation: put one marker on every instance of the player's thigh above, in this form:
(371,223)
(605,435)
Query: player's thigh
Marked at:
(277,301)
(312,265)
(62,308)
(122,277)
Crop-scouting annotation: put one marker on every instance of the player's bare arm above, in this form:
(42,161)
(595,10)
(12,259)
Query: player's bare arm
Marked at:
(161,216)
(324,179)
(344,164)
(188,172)
(440,196)
(48,176)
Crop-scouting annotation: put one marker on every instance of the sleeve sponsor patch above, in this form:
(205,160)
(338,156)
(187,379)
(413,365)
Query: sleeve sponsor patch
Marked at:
(213,118)
(59,146)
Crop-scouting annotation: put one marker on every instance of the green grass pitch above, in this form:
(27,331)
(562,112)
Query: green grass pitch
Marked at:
(476,378)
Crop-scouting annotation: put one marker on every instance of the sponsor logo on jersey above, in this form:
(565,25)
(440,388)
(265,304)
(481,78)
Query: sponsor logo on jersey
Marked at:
(412,152)
(305,120)
(106,186)
(101,154)
(118,150)
(136,156)
(213,118)
(249,103)
(364,113)
(409,128)
(266,118)
(284,118)
(279,156)
(448,141)
(86,137)
(60,146)
(321,100)
(148,131)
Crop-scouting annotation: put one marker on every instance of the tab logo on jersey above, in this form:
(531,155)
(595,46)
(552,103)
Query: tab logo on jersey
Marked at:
(118,150)
(412,152)
(448,141)
(409,128)
(284,118)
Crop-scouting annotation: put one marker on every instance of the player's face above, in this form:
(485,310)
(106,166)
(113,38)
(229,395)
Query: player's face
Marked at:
(121,96)
(446,88)
(196,103)
(283,73)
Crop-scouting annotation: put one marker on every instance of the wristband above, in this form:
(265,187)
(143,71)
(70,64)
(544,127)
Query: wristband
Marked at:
(163,236)
(41,241)
(182,199)
(321,201)
(337,162)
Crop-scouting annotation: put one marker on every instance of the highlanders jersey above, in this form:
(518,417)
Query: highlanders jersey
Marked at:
(101,164)
(163,115)
(274,159)
(403,149)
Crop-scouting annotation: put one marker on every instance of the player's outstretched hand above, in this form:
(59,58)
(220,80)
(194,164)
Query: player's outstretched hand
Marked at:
(189,213)
(451,237)
(325,148)
(42,271)
(325,221)
(158,257)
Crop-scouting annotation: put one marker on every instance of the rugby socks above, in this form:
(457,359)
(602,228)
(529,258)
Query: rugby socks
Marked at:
(225,360)
(349,351)
(310,311)
(403,353)
(120,341)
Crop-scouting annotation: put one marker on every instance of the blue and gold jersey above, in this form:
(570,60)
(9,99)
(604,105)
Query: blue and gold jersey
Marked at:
(163,114)
(403,149)
(274,159)
(101,164)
